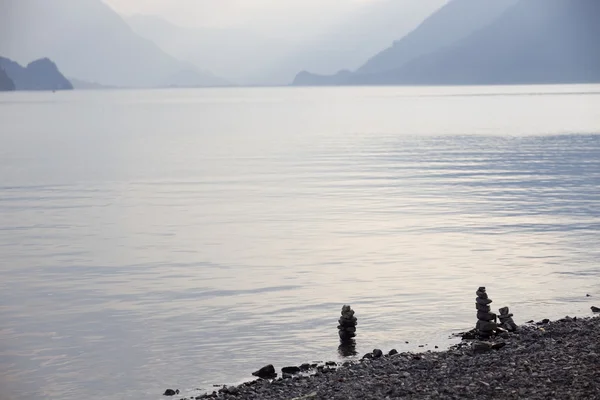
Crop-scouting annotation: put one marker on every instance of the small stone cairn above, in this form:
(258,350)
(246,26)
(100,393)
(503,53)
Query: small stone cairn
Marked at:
(347,325)
(506,320)
(486,320)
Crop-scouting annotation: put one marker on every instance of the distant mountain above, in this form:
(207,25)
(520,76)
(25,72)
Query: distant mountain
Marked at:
(249,57)
(40,74)
(454,21)
(92,43)
(6,84)
(346,45)
(535,41)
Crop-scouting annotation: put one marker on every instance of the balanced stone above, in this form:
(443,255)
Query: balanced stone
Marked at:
(486,320)
(485,316)
(482,301)
(347,324)
(506,320)
(486,326)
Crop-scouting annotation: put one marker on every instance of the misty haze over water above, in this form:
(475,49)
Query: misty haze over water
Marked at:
(187,237)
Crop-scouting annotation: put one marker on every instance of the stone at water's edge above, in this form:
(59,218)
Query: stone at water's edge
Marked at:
(266,372)
(377,353)
(171,392)
(595,309)
(506,320)
(290,370)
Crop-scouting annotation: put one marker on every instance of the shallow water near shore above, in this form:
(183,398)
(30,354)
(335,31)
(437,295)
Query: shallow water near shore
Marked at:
(184,238)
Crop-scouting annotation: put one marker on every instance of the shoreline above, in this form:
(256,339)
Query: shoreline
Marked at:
(546,359)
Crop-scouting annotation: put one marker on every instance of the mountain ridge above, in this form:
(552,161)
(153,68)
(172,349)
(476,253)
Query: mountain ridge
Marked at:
(534,41)
(531,41)
(90,42)
(42,74)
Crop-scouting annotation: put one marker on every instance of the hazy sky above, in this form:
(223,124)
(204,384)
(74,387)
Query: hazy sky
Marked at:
(274,13)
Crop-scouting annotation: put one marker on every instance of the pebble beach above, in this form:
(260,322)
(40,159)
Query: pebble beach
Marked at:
(543,360)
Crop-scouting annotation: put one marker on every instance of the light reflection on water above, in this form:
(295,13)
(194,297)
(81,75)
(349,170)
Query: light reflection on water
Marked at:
(185,238)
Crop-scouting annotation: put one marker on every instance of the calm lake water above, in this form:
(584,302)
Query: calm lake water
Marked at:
(184,238)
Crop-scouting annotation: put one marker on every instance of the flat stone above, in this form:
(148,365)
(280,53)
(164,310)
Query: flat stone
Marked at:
(481,347)
(481,307)
(470,335)
(290,370)
(482,295)
(346,336)
(484,302)
(485,316)
(498,346)
(486,326)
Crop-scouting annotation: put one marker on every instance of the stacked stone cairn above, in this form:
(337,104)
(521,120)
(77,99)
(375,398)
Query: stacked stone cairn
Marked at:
(506,320)
(347,325)
(486,320)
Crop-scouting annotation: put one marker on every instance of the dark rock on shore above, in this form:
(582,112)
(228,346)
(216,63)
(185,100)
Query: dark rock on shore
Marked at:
(305,367)
(595,309)
(171,392)
(266,372)
(290,370)
(557,360)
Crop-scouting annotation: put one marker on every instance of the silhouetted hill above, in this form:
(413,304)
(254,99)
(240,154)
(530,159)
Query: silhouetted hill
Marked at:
(6,84)
(40,74)
(535,41)
(454,21)
(532,41)
(90,42)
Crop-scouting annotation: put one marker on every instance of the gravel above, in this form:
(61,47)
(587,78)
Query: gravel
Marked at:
(547,360)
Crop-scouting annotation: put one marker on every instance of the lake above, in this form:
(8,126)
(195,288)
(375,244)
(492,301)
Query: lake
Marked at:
(185,238)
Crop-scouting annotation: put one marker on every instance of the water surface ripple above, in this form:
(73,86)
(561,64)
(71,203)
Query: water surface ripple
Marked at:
(184,238)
